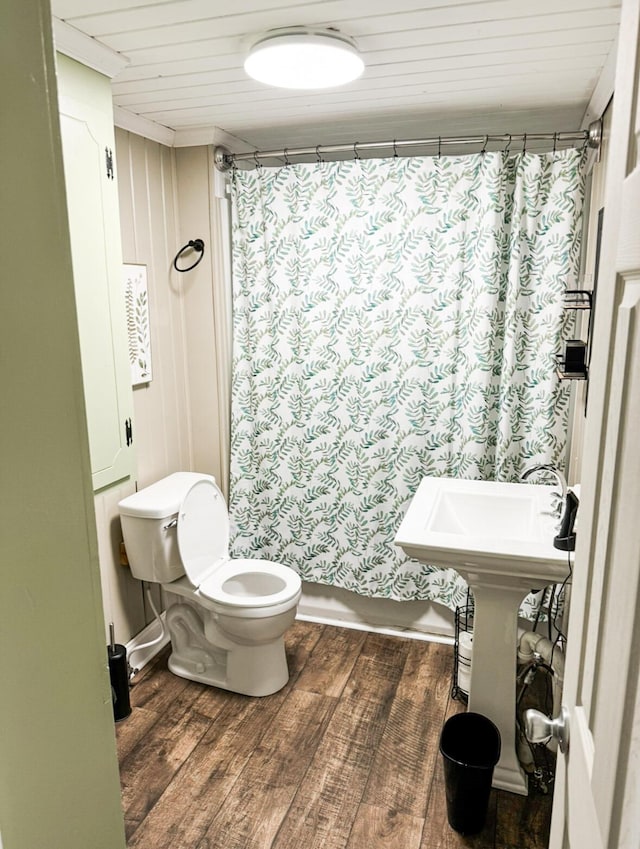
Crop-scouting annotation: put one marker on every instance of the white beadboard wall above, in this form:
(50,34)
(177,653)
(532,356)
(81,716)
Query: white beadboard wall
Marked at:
(147,183)
(147,187)
(197,221)
(164,202)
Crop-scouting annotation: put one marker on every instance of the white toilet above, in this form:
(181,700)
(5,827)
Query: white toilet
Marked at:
(226,618)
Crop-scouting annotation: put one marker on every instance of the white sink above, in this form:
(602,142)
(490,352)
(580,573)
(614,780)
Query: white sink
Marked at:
(499,537)
(505,529)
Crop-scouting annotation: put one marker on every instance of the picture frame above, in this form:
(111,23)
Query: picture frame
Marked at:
(136,295)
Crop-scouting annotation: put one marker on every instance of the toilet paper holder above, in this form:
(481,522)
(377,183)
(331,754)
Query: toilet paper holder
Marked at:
(462,649)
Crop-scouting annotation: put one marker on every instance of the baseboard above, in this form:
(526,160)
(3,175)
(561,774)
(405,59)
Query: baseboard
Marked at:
(418,620)
(410,633)
(139,658)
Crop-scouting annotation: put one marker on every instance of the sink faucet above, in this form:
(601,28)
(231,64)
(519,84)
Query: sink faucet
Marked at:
(560,479)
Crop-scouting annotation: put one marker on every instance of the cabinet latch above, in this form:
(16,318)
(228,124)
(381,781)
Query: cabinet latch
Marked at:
(109,162)
(128,432)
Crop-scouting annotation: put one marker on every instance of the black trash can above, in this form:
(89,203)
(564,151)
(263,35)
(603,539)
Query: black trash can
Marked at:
(470,748)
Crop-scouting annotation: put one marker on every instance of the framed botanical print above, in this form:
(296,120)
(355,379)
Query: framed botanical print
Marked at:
(138,328)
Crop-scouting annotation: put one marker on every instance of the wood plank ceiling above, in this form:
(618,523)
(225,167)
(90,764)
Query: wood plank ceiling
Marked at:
(433,67)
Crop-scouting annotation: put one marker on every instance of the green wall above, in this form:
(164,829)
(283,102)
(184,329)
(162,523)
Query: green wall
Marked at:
(59,785)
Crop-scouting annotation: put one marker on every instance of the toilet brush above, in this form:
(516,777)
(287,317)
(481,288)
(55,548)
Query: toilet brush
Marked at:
(119,675)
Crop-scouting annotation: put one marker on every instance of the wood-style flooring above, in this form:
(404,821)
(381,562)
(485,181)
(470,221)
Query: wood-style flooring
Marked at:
(344,757)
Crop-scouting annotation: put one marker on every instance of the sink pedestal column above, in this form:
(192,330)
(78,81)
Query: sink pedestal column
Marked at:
(492,690)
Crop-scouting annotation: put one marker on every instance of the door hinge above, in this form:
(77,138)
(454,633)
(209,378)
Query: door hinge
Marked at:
(128,432)
(109,161)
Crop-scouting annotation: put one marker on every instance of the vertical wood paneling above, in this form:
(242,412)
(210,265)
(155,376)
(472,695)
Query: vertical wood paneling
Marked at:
(147,191)
(148,215)
(195,211)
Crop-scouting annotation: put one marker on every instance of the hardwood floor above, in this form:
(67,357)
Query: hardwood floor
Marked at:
(344,757)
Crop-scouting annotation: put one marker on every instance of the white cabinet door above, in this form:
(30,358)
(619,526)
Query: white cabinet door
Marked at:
(86,121)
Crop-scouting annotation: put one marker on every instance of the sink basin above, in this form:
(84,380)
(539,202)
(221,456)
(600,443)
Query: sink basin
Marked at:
(502,528)
(481,514)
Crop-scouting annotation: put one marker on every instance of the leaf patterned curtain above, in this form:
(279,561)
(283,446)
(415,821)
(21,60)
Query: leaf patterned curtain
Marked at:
(392,319)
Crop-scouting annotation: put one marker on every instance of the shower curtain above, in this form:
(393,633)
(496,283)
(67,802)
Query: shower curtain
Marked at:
(392,319)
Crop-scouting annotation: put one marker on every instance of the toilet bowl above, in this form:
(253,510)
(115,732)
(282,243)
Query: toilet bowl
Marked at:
(226,617)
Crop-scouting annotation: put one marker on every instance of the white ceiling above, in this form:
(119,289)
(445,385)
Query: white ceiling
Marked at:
(433,67)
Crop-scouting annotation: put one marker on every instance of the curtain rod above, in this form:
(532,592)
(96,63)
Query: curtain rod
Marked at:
(224,159)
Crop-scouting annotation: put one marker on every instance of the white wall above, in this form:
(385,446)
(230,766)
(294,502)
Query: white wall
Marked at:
(59,786)
(203,313)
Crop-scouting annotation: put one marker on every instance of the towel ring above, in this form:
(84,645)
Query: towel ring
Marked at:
(197,245)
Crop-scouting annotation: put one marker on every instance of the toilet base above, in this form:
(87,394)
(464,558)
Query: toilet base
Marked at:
(252,670)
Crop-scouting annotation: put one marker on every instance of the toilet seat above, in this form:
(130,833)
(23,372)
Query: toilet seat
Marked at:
(242,587)
(256,584)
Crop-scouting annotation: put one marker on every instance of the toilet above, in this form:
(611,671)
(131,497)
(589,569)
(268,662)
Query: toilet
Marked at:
(226,617)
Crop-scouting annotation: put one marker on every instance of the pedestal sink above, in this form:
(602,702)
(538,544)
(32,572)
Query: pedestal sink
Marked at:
(499,537)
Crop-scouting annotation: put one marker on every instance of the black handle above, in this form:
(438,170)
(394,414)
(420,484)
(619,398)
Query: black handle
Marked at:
(566,538)
(196,245)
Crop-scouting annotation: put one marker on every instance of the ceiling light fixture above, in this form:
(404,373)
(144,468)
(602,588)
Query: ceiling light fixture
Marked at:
(304,58)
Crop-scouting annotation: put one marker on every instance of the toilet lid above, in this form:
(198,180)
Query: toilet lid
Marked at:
(203,531)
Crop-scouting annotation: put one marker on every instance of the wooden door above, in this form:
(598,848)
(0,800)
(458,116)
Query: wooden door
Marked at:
(597,797)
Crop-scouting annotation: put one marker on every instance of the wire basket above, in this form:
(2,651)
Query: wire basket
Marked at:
(462,651)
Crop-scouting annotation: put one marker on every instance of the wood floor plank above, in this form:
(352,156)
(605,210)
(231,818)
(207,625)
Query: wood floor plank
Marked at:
(327,801)
(384,828)
(153,763)
(402,770)
(133,729)
(299,642)
(523,822)
(333,659)
(162,689)
(253,811)
(183,814)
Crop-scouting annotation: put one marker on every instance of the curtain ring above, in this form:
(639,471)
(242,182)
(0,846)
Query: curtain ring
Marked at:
(318,157)
(507,148)
(524,143)
(395,150)
(355,151)
(439,147)
(197,245)
(256,160)
(555,141)
(486,142)
(286,158)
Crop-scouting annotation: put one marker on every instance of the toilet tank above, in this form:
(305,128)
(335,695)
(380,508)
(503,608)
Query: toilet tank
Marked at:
(148,519)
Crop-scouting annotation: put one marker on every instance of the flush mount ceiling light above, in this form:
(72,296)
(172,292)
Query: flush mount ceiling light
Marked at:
(300,57)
